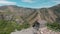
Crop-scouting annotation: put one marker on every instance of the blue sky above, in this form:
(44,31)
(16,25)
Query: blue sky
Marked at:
(30,3)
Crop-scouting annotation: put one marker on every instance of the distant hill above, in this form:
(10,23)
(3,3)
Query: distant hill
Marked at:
(21,14)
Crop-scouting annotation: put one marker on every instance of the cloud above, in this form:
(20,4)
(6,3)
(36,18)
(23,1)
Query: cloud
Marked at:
(28,1)
(56,1)
(3,2)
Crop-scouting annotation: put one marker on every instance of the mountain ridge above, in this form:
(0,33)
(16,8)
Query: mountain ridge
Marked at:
(20,14)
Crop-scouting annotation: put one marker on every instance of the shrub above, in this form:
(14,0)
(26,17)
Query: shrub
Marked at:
(54,26)
(6,27)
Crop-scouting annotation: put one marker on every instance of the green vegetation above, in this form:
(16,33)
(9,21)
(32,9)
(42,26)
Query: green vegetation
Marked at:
(6,27)
(54,26)
(25,25)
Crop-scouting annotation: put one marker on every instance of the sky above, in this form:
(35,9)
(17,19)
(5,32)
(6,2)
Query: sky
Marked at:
(30,3)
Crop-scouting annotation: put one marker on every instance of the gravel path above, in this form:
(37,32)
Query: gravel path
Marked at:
(30,30)
(25,31)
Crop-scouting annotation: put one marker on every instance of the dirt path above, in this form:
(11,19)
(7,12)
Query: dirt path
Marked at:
(25,31)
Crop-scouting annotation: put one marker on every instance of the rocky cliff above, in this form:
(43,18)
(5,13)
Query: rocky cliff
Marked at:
(20,14)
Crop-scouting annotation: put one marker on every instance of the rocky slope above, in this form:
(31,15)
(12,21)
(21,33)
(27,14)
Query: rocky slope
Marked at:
(20,14)
(50,14)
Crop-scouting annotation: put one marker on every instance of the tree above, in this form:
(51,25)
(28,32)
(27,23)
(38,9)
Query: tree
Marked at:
(6,26)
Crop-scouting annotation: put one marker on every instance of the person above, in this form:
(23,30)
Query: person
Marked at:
(36,25)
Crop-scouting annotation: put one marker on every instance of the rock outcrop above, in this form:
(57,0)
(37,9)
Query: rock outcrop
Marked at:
(20,14)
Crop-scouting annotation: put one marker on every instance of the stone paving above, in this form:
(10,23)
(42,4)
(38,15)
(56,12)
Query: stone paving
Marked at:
(25,31)
(47,31)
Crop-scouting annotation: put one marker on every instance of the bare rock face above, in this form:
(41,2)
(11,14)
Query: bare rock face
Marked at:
(50,14)
(30,15)
(47,31)
(15,13)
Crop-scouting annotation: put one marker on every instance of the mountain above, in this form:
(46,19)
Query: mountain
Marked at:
(21,14)
(50,14)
